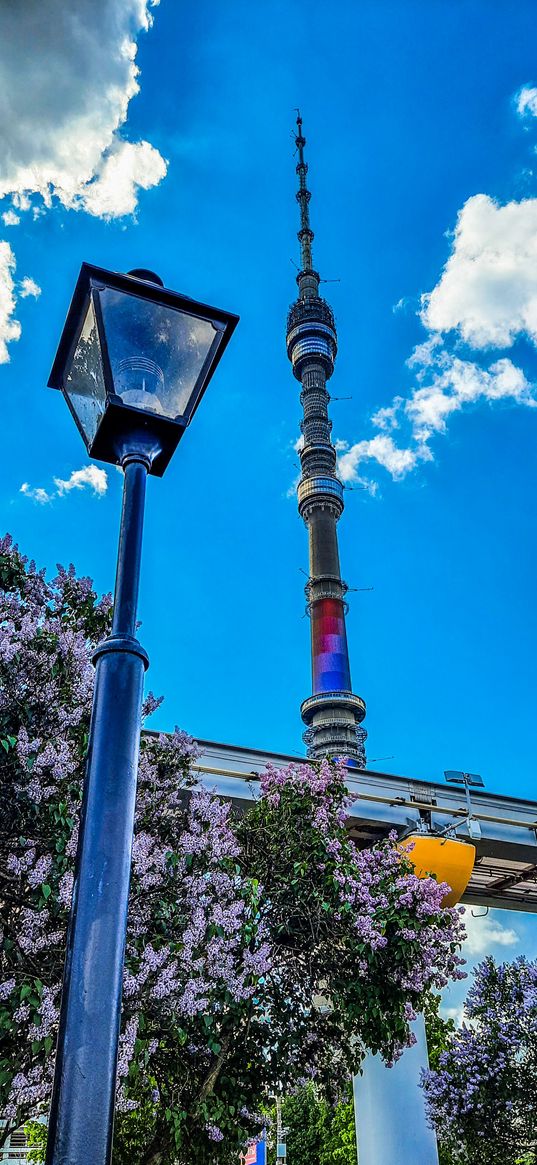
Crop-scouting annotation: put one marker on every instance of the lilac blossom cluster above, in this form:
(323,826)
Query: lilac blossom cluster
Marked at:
(372,880)
(195,940)
(480,1096)
(389,925)
(46,678)
(214,1133)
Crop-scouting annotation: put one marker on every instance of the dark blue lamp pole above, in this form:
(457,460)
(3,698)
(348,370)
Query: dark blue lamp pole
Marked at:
(82,1112)
(133,362)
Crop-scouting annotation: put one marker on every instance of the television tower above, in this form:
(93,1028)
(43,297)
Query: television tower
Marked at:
(332,714)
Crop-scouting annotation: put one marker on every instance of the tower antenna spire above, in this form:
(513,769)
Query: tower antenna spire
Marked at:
(333,713)
(305,234)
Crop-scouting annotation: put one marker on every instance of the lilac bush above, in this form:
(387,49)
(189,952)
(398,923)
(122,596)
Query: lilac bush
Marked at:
(262,949)
(481,1096)
(356,930)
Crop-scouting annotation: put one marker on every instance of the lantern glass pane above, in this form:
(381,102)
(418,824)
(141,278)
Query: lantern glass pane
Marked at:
(156,352)
(84,381)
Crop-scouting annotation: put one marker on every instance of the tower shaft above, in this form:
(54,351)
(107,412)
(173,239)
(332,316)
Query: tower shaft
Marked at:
(332,714)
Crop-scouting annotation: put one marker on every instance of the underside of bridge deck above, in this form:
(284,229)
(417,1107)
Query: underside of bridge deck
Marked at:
(505,873)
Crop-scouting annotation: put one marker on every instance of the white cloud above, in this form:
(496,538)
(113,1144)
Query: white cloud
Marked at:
(487,294)
(125,170)
(387,418)
(21,201)
(456,1014)
(10,328)
(37,495)
(446,385)
(455,383)
(89,477)
(381,449)
(424,354)
(28,286)
(527,101)
(62,107)
(485,932)
(291,491)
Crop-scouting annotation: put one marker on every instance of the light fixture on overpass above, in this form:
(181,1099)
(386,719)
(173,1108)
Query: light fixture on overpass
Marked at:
(468,780)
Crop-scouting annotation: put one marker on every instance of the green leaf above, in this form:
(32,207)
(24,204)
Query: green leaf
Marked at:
(46,891)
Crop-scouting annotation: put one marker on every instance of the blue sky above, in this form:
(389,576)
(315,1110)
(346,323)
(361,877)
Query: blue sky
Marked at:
(412,111)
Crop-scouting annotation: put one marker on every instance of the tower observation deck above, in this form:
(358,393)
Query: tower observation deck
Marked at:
(333,714)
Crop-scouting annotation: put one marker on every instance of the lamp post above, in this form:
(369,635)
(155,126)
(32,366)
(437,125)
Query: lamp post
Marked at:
(133,362)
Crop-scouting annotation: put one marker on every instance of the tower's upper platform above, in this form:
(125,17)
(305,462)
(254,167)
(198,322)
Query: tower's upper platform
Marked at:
(311,335)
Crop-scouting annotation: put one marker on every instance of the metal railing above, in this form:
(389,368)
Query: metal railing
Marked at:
(16,1148)
(401,802)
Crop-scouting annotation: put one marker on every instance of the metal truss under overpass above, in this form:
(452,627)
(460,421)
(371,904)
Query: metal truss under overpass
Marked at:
(505,873)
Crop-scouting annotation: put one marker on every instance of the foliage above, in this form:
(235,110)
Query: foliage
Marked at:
(317,1133)
(360,938)
(480,1094)
(305,1116)
(260,949)
(438,1030)
(339,1144)
(321,1135)
(36,1139)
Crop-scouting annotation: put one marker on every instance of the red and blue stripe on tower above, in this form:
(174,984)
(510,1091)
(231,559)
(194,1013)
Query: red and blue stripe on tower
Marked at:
(330,656)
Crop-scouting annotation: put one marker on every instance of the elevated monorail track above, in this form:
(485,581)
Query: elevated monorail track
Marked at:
(505,873)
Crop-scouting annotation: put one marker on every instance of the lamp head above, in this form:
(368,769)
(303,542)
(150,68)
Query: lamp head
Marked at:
(134,360)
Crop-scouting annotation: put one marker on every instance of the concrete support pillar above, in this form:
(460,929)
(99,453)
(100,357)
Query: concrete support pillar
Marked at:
(389,1109)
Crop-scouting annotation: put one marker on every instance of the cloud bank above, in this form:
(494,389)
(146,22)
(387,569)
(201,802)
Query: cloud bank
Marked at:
(483,303)
(63,106)
(89,477)
(487,293)
(484,932)
(68,73)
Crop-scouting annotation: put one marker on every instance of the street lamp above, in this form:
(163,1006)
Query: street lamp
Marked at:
(133,362)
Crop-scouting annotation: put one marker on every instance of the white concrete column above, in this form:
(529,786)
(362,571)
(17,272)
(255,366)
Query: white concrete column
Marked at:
(389,1109)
